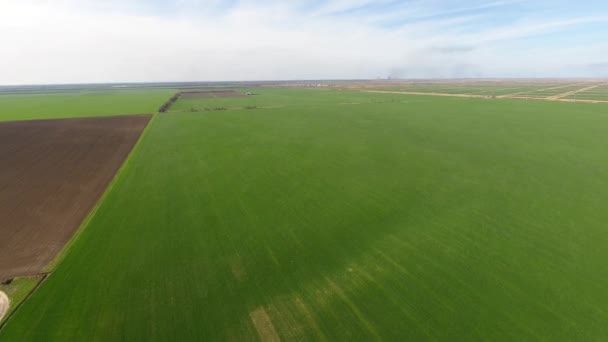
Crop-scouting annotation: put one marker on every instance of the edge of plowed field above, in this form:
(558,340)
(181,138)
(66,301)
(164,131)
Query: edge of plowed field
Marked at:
(66,248)
(48,270)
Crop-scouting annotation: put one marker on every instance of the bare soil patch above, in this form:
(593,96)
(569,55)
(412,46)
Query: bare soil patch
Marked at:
(54,171)
(237,268)
(211,94)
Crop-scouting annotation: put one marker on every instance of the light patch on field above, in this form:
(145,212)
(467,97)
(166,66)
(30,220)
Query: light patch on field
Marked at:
(310,318)
(353,307)
(236,266)
(263,325)
(4,304)
(272,256)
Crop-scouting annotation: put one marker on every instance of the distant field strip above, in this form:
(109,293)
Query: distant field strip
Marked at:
(600,93)
(573,92)
(81,104)
(425,93)
(535,91)
(550,90)
(404,218)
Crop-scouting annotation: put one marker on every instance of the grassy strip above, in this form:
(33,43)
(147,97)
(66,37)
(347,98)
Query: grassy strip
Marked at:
(18,291)
(88,104)
(53,265)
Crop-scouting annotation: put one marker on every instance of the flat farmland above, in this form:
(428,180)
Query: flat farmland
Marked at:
(210,94)
(281,98)
(81,104)
(541,90)
(58,170)
(554,90)
(599,93)
(344,216)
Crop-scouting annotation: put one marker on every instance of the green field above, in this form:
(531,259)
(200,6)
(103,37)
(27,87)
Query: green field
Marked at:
(281,98)
(81,104)
(599,93)
(343,216)
(532,89)
(473,88)
(17,291)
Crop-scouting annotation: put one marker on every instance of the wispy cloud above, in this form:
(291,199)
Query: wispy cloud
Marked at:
(135,40)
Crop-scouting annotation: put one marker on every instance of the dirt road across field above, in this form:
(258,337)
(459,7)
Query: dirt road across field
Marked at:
(54,173)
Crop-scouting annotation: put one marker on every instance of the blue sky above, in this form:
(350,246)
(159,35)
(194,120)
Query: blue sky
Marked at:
(68,41)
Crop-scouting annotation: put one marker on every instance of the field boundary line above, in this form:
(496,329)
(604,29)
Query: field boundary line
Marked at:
(52,266)
(165,107)
(3,323)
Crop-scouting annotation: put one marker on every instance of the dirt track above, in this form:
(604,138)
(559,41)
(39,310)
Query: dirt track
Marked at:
(53,173)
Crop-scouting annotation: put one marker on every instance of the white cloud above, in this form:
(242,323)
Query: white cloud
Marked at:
(69,41)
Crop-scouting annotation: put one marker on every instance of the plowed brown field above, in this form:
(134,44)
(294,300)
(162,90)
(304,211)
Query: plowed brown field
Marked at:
(52,172)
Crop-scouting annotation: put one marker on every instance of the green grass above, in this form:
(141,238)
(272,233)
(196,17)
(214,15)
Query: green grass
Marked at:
(81,104)
(17,291)
(599,93)
(281,98)
(533,89)
(430,219)
(488,89)
(554,92)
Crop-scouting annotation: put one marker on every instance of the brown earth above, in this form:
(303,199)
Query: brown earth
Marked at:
(52,174)
(211,94)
